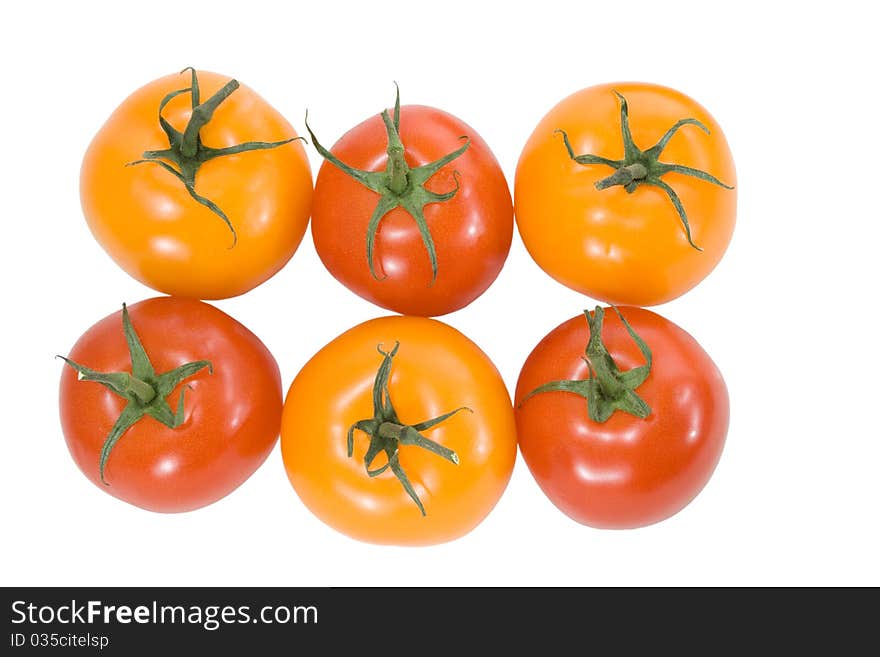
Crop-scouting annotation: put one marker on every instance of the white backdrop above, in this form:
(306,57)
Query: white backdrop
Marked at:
(788,314)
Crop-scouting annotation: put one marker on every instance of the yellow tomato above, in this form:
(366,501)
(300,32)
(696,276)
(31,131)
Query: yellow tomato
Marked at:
(623,240)
(456,469)
(209,224)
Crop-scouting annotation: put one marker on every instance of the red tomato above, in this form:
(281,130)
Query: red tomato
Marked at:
(627,471)
(222,380)
(467,213)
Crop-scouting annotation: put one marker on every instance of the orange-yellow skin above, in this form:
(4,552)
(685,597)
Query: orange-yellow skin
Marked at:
(436,369)
(145,219)
(611,245)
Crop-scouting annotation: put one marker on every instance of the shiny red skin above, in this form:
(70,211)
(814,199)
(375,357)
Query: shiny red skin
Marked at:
(472,231)
(232,416)
(626,472)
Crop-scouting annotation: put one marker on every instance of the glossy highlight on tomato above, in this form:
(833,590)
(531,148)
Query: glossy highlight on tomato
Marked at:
(435,376)
(627,471)
(229,405)
(240,220)
(615,232)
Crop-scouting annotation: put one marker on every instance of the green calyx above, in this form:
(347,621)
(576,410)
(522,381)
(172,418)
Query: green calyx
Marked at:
(187,152)
(387,433)
(640,167)
(144,390)
(607,389)
(399,185)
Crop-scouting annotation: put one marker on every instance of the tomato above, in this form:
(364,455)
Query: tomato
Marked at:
(413,213)
(620,424)
(609,208)
(210,225)
(399,431)
(170,405)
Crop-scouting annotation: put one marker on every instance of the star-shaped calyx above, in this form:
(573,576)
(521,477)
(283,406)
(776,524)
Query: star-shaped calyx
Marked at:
(640,167)
(399,185)
(387,432)
(186,150)
(606,389)
(144,390)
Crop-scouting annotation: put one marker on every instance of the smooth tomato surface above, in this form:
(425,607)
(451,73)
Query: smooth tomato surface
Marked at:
(232,416)
(150,225)
(615,246)
(625,472)
(472,231)
(436,370)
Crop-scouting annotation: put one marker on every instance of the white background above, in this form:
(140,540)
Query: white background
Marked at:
(788,315)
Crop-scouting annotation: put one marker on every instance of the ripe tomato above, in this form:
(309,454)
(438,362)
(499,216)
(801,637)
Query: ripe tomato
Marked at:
(140,363)
(211,225)
(641,235)
(650,433)
(412,212)
(399,431)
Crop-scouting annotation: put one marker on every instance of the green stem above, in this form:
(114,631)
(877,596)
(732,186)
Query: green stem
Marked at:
(606,389)
(186,153)
(390,430)
(201,114)
(388,433)
(624,176)
(643,167)
(143,389)
(398,185)
(397,168)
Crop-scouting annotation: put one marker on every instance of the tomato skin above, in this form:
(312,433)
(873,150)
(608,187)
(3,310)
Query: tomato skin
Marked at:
(611,245)
(149,224)
(232,416)
(472,231)
(626,472)
(437,369)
